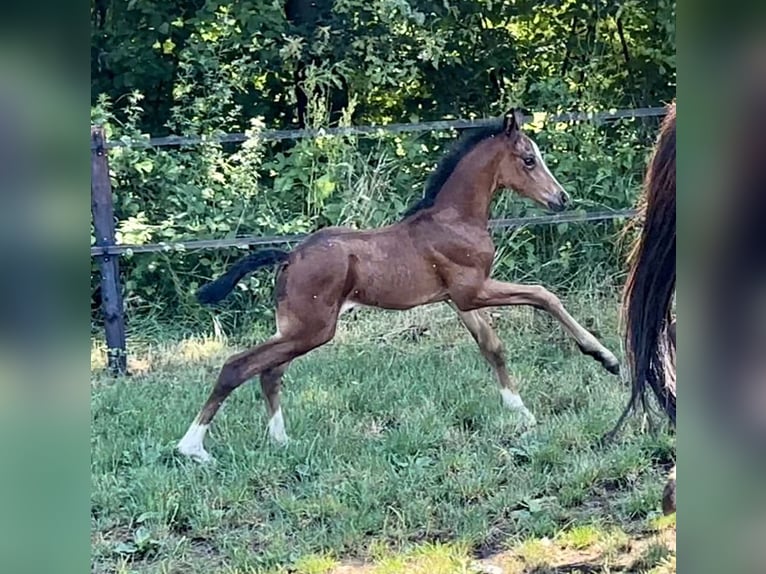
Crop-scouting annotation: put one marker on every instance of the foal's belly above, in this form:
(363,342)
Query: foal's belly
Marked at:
(381,268)
(396,282)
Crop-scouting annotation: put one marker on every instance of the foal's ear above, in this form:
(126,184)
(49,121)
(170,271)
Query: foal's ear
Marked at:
(512,121)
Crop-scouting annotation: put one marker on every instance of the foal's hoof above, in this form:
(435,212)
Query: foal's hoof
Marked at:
(526,418)
(280,440)
(529,418)
(669,498)
(199,454)
(277,429)
(513,402)
(603,356)
(606,439)
(611,364)
(669,495)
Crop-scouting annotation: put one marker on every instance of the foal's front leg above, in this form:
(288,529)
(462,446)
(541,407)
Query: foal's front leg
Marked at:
(497,293)
(491,347)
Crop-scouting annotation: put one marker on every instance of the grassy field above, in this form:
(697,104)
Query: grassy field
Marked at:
(402,458)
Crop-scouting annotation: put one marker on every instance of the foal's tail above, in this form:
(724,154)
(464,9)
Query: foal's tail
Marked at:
(647,299)
(216,290)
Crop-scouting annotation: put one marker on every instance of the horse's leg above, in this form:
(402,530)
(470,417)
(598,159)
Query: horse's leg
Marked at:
(237,370)
(669,494)
(634,396)
(274,353)
(271,384)
(491,347)
(497,293)
(610,436)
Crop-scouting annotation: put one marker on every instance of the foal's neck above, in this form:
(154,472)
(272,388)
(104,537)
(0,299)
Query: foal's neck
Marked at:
(467,193)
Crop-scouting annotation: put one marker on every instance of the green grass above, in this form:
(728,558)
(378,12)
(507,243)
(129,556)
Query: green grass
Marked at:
(401,454)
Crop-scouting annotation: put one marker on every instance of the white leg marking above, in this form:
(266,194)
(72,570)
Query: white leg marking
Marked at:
(280,323)
(347,305)
(191,444)
(513,401)
(277,427)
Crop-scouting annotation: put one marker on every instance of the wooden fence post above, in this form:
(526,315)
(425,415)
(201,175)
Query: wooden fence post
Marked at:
(103,223)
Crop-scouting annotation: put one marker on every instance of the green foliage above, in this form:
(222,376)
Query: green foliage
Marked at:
(401,60)
(212,67)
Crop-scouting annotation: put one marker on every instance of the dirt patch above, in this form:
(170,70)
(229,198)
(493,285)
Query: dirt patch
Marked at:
(651,551)
(642,552)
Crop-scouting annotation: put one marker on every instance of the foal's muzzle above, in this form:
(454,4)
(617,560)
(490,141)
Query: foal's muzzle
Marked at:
(560,203)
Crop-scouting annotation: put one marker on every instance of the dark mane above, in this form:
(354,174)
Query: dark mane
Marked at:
(448,163)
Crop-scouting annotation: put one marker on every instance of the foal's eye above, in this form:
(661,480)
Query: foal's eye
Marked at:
(529,162)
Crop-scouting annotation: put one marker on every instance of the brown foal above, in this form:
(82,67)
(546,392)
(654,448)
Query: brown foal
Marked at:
(440,252)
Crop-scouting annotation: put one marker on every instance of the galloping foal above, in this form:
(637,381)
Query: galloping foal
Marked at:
(440,252)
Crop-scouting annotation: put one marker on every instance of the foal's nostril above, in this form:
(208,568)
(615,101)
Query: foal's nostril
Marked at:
(564,198)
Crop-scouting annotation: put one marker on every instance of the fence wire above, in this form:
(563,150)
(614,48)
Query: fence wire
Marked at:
(250,241)
(275,135)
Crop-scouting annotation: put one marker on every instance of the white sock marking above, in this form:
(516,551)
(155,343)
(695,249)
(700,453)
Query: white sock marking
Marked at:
(347,305)
(277,427)
(513,401)
(191,444)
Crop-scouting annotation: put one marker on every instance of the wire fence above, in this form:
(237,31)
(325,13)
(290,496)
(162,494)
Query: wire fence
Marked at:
(108,252)
(254,240)
(274,135)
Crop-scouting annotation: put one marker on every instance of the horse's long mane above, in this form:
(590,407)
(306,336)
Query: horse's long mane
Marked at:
(648,295)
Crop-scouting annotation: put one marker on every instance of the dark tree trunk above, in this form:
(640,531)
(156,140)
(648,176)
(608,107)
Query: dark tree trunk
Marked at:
(305,16)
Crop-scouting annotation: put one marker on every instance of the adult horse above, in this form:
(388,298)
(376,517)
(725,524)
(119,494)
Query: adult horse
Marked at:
(650,328)
(440,252)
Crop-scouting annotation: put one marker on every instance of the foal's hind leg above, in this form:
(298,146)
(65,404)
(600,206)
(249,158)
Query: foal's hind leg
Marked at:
(274,353)
(237,369)
(271,384)
(491,347)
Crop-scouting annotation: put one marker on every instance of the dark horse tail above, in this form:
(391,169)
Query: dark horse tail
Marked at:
(650,329)
(216,290)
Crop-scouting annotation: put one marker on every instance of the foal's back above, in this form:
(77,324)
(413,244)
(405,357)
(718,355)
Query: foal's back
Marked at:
(392,267)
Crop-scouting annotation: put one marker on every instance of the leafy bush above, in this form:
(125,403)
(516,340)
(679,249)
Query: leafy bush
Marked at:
(207,68)
(277,188)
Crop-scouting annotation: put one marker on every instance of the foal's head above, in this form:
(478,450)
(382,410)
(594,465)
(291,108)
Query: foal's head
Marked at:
(522,167)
